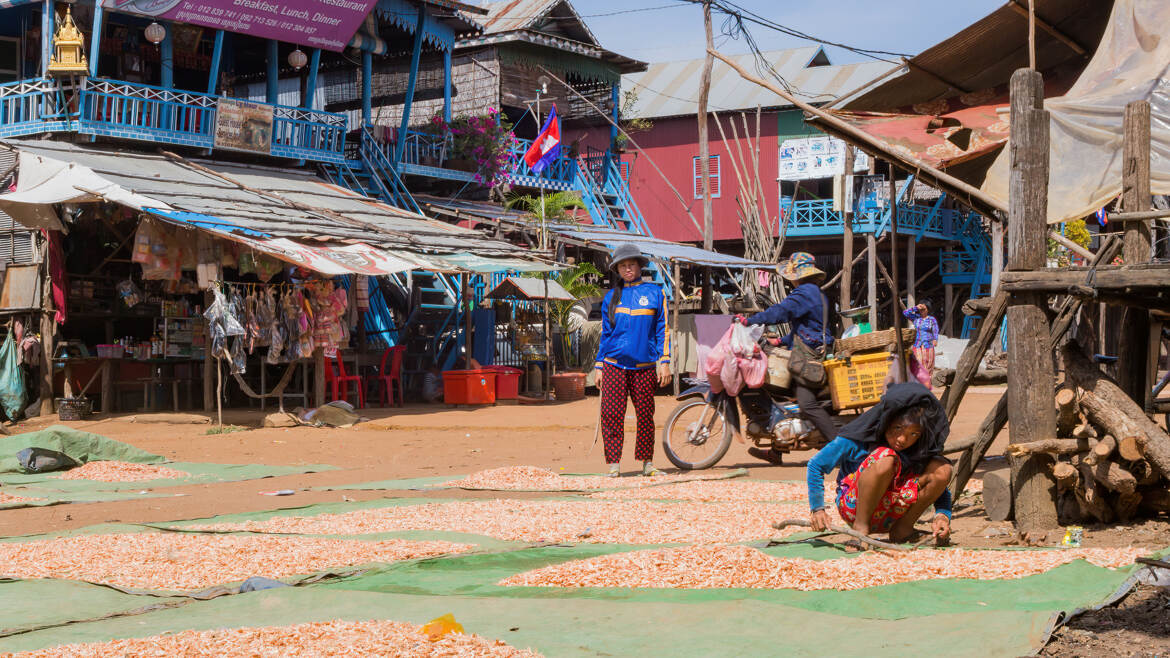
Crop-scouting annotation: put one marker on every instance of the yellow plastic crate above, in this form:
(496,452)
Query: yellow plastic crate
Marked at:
(858,381)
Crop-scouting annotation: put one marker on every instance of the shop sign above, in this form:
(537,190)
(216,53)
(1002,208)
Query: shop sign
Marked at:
(816,157)
(243,126)
(328,24)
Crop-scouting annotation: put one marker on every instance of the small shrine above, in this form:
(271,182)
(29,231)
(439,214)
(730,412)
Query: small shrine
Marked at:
(68,48)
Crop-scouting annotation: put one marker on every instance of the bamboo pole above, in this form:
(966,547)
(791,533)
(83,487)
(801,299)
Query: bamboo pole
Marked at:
(674,361)
(705,151)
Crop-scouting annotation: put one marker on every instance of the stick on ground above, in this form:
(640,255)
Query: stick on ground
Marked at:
(842,530)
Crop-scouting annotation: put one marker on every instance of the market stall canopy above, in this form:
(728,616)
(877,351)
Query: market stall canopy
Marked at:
(586,235)
(286,212)
(530,289)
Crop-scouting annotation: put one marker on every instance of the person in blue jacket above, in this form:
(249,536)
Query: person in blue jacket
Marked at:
(890,467)
(804,309)
(633,357)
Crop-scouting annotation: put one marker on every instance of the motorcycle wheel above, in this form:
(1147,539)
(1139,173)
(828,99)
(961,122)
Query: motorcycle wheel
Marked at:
(696,436)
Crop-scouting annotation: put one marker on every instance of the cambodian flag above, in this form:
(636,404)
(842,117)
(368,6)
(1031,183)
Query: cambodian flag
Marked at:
(1102,217)
(547,146)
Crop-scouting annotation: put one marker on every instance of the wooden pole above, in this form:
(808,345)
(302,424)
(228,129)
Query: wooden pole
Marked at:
(897,319)
(847,236)
(871,278)
(319,366)
(997,254)
(208,386)
(674,357)
(949,306)
(218,392)
(548,355)
(705,150)
(1032,34)
(48,327)
(1135,197)
(911,243)
(465,298)
(1031,402)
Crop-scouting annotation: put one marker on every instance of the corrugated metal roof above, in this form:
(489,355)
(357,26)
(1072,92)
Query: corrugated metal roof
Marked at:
(284,203)
(670,89)
(605,239)
(986,53)
(510,15)
(525,288)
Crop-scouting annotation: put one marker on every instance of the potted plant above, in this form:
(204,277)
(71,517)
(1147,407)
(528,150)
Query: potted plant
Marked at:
(482,144)
(578,281)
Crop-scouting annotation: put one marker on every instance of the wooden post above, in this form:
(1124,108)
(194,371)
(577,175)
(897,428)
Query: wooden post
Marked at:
(218,393)
(949,305)
(548,354)
(465,298)
(705,150)
(675,354)
(95,40)
(208,386)
(213,70)
(1135,197)
(272,82)
(871,278)
(997,254)
(319,366)
(911,243)
(900,350)
(847,237)
(1031,402)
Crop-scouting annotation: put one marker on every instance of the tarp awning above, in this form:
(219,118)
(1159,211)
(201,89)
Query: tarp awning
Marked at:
(288,214)
(530,289)
(598,237)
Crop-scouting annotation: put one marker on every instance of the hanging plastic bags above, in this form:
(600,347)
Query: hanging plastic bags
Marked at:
(11,379)
(736,360)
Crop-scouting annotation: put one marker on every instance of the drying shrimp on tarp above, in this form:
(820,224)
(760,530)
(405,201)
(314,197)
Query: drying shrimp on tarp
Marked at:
(325,638)
(117,471)
(727,566)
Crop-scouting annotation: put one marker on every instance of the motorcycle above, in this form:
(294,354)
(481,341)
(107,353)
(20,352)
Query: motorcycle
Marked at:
(699,431)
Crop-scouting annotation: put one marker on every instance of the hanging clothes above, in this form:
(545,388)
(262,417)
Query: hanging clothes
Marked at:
(57,277)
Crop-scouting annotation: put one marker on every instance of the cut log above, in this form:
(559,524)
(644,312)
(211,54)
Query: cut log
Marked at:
(1084,431)
(1143,472)
(1101,451)
(1130,448)
(1112,476)
(1109,407)
(1066,411)
(997,494)
(1065,475)
(1053,446)
(1091,495)
(1126,505)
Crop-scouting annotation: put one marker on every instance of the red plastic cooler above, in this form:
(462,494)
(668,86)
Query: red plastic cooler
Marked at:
(469,386)
(507,382)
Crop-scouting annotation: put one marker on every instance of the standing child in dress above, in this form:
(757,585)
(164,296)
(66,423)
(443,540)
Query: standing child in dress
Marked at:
(926,334)
(633,357)
(890,465)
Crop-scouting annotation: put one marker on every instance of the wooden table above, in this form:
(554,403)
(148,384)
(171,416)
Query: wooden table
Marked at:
(108,368)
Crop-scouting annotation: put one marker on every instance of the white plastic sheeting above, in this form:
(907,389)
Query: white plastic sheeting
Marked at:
(1131,63)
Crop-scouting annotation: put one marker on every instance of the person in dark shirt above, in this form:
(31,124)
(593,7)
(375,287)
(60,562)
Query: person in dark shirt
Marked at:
(804,309)
(890,467)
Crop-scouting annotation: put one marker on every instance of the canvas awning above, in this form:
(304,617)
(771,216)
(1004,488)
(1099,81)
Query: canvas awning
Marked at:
(289,214)
(530,289)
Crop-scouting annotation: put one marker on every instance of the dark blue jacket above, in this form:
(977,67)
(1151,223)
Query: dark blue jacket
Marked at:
(803,310)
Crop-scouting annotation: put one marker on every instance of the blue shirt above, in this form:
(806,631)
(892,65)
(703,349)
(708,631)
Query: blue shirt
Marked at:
(638,336)
(804,310)
(846,455)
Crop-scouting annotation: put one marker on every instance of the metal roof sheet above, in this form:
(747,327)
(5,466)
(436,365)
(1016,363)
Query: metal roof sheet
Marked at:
(984,54)
(668,89)
(278,202)
(599,237)
(525,288)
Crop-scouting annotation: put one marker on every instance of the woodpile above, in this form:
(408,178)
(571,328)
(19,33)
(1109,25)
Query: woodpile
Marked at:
(1109,462)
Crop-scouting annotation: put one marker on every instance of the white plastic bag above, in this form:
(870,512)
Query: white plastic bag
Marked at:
(745,340)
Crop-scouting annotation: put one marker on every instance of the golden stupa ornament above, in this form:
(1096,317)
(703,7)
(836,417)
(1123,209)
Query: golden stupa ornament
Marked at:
(68,48)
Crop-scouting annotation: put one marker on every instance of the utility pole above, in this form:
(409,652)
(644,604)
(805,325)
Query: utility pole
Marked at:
(705,150)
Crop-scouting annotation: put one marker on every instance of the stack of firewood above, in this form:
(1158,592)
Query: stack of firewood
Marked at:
(1109,460)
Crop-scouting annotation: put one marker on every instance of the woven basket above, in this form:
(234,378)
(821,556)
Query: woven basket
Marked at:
(74,408)
(871,342)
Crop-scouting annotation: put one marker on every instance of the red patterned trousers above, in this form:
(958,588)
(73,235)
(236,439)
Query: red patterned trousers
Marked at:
(617,384)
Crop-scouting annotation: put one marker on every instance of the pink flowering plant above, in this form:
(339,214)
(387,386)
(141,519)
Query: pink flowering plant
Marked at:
(484,139)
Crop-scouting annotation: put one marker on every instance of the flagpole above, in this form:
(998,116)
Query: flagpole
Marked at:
(543,226)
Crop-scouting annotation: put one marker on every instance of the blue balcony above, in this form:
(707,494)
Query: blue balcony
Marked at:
(30,107)
(431,155)
(128,110)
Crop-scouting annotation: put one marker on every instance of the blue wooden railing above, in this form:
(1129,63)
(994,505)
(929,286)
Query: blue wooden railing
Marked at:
(137,111)
(558,175)
(423,149)
(28,107)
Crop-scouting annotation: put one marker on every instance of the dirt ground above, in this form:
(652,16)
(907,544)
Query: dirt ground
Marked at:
(419,440)
(1138,626)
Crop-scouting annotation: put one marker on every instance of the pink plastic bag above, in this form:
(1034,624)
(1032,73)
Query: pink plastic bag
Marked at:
(736,361)
(715,358)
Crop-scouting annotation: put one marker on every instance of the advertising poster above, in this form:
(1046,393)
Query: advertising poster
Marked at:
(328,24)
(243,126)
(816,157)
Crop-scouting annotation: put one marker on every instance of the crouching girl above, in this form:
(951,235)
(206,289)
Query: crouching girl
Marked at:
(890,465)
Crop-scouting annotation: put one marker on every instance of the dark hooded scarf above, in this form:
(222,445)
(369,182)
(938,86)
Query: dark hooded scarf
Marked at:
(870,427)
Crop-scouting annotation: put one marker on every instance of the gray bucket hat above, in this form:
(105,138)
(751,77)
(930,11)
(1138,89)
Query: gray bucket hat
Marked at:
(626,252)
